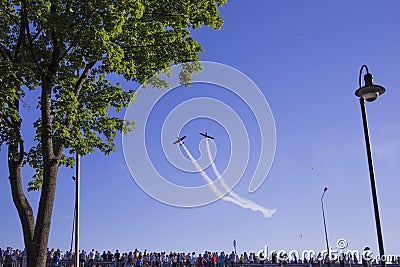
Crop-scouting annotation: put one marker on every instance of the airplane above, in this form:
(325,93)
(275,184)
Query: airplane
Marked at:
(180,140)
(206,135)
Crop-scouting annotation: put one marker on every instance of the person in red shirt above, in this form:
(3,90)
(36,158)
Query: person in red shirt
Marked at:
(214,260)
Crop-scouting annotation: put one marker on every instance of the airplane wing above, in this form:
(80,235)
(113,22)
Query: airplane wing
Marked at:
(206,135)
(179,139)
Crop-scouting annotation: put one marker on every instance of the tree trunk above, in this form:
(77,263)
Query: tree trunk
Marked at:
(35,257)
(15,162)
(21,203)
(38,253)
(35,235)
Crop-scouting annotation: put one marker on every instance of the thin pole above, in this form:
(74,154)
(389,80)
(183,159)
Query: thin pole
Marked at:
(77,199)
(372,180)
(73,231)
(323,216)
(234,243)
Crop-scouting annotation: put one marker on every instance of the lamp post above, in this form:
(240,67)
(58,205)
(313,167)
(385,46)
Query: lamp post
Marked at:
(77,199)
(370,92)
(234,245)
(323,216)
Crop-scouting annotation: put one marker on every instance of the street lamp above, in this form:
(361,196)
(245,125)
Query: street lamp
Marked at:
(323,216)
(77,203)
(370,92)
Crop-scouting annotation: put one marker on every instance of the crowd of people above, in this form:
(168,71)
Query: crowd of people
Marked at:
(17,258)
(9,256)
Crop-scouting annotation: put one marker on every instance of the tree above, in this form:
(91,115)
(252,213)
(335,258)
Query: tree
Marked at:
(64,51)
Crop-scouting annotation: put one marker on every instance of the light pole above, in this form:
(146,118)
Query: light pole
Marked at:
(370,92)
(234,245)
(77,199)
(323,216)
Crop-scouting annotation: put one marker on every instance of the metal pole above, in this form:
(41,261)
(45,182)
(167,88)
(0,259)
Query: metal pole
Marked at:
(372,180)
(234,245)
(323,216)
(77,199)
(73,232)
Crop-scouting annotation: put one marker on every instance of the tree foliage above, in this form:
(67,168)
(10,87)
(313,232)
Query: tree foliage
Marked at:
(66,50)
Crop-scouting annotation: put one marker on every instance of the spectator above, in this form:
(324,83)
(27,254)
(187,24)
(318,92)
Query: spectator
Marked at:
(91,258)
(139,262)
(82,258)
(117,255)
(193,261)
(214,260)
(1,257)
(110,256)
(274,258)
(232,258)
(188,260)
(8,257)
(56,258)
(327,260)
(221,259)
(200,261)
(104,256)
(366,257)
(342,259)
(97,256)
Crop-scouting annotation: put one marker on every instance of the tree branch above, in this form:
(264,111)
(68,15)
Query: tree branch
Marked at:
(30,47)
(16,147)
(73,44)
(9,14)
(22,28)
(145,46)
(78,87)
(21,202)
(36,34)
(5,118)
(21,150)
(78,36)
(82,78)
(6,54)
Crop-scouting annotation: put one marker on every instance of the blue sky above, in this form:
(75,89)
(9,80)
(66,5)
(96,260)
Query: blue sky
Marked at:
(305,56)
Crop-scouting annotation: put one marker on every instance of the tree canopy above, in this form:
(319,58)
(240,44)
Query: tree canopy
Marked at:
(65,50)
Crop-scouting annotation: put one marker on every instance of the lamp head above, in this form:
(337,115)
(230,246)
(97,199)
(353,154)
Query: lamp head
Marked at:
(325,189)
(370,91)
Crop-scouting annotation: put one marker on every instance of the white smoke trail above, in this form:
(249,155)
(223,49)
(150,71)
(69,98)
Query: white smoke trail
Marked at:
(247,202)
(214,189)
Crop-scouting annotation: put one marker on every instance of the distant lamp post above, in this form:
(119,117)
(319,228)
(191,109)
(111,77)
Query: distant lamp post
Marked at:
(323,216)
(370,92)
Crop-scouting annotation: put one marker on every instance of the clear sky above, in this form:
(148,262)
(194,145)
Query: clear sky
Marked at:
(305,56)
